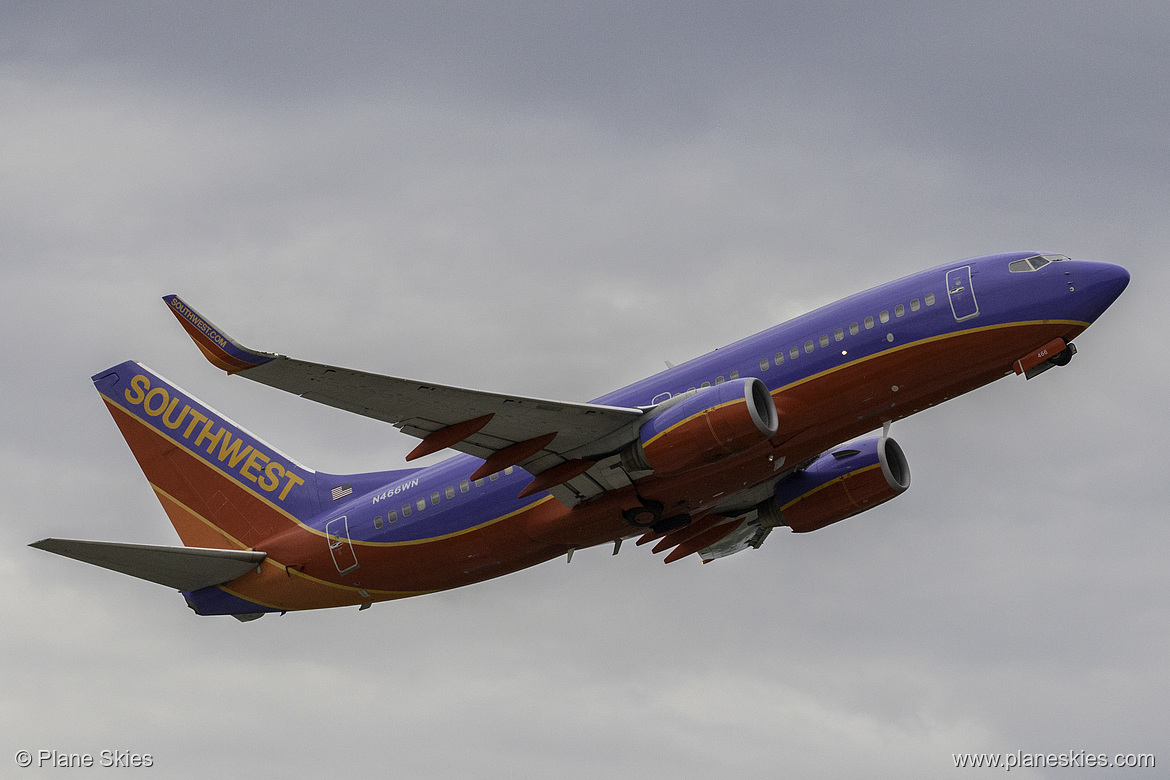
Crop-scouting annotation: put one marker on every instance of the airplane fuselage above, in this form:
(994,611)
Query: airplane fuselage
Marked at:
(821,379)
(835,373)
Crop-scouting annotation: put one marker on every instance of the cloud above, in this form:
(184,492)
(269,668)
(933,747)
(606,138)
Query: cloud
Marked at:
(553,203)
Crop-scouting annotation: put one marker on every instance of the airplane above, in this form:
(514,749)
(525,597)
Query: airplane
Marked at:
(701,460)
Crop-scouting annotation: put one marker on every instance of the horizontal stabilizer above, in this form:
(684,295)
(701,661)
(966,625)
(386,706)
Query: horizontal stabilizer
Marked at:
(182,568)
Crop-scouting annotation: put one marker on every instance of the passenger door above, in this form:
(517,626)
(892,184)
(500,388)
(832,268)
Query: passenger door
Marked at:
(340,547)
(962,296)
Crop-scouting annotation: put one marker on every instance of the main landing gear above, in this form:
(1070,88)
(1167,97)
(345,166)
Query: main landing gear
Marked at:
(644,516)
(649,515)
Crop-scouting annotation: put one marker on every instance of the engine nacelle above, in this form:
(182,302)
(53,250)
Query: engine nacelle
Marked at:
(841,483)
(704,426)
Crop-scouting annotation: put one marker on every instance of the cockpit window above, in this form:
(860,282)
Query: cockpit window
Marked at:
(1033,263)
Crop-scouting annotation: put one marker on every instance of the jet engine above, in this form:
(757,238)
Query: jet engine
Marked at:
(703,426)
(840,484)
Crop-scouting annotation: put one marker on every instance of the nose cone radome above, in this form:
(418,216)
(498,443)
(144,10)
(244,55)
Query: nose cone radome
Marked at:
(1099,285)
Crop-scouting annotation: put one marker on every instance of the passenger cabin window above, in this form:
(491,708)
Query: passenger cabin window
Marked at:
(735,375)
(464,486)
(899,310)
(929,299)
(794,352)
(868,323)
(508,470)
(839,334)
(450,491)
(378,521)
(705,385)
(808,346)
(494,477)
(718,380)
(764,364)
(392,516)
(435,498)
(421,504)
(406,510)
(853,329)
(779,358)
(915,305)
(825,340)
(884,316)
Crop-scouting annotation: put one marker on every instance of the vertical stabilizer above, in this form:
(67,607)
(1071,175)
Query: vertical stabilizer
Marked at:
(220,485)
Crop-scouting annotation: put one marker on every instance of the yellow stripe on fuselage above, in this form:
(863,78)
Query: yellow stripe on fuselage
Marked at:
(928,340)
(283,568)
(859,361)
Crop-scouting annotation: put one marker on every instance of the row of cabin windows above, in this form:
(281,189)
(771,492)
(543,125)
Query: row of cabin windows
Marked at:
(436,497)
(838,335)
(854,329)
(720,380)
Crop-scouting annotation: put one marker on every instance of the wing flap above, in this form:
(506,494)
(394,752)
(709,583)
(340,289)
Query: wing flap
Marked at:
(182,568)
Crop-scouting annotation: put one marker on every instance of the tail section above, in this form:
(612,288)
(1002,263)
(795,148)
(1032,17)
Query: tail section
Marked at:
(231,497)
(221,486)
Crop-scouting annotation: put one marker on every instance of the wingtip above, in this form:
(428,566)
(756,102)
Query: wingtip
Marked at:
(221,350)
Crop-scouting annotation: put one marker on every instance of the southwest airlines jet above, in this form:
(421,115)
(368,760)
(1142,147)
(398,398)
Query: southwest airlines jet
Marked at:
(704,459)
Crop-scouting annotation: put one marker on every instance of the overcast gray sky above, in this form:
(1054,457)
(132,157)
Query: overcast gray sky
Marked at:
(552,199)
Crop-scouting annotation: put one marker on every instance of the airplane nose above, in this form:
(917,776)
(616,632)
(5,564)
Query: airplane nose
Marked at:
(1100,284)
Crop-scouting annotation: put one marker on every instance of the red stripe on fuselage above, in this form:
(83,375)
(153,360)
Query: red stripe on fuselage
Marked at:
(847,401)
(209,509)
(834,406)
(386,572)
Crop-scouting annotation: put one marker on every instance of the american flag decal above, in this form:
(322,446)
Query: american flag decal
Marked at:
(341,491)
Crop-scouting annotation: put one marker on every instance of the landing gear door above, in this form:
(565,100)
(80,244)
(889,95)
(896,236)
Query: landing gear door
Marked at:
(340,547)
(962,295)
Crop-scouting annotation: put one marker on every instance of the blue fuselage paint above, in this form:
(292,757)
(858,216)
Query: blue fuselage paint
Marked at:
(834,373)
(1068,291)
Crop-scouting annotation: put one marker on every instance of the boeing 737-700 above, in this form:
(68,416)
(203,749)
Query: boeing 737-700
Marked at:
(704,459)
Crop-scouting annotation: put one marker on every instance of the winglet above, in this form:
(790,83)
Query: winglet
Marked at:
(223,351)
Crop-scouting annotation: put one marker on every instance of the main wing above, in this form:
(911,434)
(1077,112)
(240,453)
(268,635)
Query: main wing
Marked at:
(555,441)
